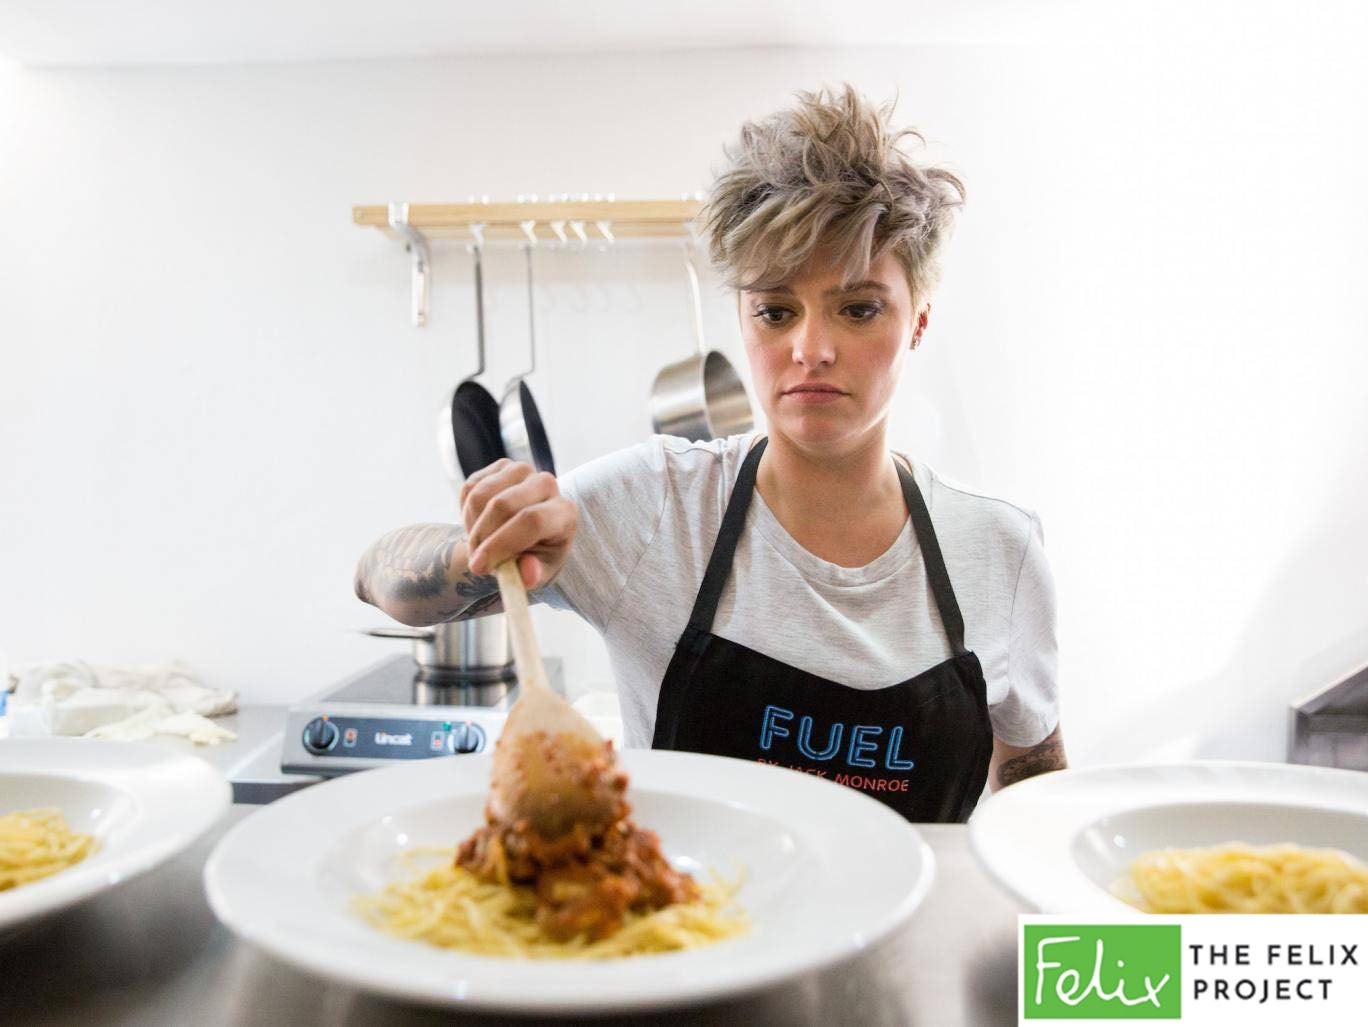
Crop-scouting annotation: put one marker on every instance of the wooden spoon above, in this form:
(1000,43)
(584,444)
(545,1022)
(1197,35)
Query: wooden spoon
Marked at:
(551,769)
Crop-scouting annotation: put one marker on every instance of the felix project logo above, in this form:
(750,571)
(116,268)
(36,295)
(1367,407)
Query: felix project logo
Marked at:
(1102,971)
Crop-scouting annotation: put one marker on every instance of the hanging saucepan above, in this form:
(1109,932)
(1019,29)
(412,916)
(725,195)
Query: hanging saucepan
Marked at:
(524,435)
(474,412)
(702,397)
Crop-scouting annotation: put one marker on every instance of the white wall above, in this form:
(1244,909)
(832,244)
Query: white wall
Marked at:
(1151,330)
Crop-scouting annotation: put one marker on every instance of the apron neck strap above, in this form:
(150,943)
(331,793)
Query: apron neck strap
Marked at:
(936,574)
(719,564)
(734,520)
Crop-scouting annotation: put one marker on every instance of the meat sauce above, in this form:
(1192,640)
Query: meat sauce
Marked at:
(585,879)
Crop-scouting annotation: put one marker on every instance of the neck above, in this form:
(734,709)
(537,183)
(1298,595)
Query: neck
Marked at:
(801,483)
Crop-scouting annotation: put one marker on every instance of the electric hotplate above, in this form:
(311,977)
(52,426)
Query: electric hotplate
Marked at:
(392,711)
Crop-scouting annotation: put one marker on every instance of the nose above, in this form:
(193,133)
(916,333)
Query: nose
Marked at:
(812,344)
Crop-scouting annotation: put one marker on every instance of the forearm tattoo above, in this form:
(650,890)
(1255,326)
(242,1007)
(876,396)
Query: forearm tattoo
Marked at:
(412,567)
(1048,755)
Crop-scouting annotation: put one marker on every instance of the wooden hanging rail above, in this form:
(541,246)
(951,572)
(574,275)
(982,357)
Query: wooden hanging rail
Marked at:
(554,221)
(622,218)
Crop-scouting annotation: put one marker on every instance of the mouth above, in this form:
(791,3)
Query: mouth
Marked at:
(810,387)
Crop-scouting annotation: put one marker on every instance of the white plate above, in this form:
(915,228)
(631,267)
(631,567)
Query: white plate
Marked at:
(828,872)
(143,802)
(1059,840)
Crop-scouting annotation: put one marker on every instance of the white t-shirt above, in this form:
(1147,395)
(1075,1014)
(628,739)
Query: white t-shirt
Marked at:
(648,518)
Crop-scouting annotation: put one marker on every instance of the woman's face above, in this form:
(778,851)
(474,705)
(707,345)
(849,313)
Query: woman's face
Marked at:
(825,362)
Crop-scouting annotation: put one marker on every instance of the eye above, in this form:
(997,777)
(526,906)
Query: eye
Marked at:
(865,311)
(770,315)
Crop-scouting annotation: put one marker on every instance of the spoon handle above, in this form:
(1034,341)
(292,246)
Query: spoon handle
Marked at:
(526,656)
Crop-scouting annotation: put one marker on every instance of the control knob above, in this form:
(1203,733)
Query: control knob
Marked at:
(320,735)
(465,738)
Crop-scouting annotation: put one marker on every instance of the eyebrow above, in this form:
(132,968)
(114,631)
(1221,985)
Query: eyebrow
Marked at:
(836,291)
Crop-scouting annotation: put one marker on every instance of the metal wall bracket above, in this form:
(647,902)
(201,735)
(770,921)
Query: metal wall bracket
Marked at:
(415,242)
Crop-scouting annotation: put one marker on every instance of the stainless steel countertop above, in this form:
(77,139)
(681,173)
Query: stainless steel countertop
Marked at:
(252,763)
(151,952)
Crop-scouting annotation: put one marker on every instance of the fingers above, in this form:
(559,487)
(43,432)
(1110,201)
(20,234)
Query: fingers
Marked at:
(501,496)
(532,526)
(487,482)
(532,571)
(483,472)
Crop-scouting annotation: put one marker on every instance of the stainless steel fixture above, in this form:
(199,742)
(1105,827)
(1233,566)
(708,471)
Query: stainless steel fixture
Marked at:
(701,397)
(520,422)
(1329,728)
(417,245)
(472,651)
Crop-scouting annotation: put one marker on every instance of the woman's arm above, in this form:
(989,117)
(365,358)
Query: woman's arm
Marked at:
(419,575)
(423,574)
(1011,763)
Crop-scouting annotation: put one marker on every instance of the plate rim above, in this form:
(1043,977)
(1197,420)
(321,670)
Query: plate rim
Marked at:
(985,845)
(677,993)
(201,805)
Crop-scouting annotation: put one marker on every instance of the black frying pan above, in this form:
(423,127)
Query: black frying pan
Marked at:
(474,411)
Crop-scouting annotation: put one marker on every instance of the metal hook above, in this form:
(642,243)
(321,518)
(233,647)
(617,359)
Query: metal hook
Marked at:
(529,229)
(479,309)
(559,228)
(415,242)
(531,314)
(605,226)
(578,228)
(477,230)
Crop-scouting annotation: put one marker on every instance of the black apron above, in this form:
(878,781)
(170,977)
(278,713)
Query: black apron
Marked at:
(922,746)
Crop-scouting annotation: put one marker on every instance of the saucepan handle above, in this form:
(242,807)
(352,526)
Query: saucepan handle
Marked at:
(697,295)
(422,634)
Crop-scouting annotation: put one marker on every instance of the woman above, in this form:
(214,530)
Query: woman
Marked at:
(801,596)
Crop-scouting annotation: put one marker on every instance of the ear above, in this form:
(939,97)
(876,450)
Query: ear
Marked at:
(920,327)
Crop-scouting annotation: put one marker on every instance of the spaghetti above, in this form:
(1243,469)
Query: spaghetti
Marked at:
(38,843)
(1241,878)
(451,907)
(569,875)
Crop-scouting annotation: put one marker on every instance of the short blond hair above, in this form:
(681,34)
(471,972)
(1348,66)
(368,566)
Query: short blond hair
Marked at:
(827,172)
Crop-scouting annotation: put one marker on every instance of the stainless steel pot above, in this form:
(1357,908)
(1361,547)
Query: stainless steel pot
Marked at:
(477,649)
(520,423)
(702,397)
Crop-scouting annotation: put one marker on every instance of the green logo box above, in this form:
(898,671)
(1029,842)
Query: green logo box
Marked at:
(1102,971)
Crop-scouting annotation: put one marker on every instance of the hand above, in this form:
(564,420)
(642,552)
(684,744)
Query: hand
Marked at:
(512,510)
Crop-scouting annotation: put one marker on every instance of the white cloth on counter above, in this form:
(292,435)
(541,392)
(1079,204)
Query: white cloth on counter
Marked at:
(153,721)
(118,700)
